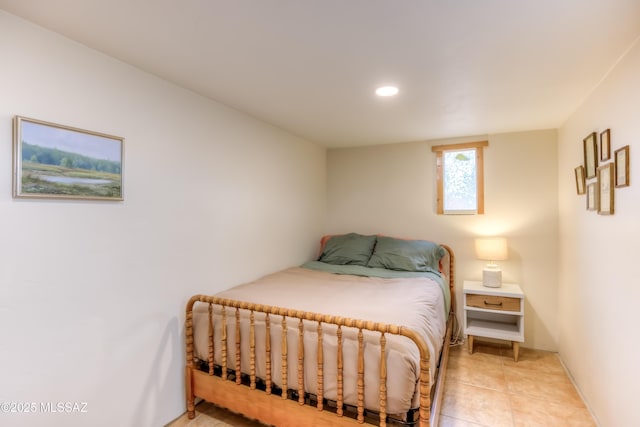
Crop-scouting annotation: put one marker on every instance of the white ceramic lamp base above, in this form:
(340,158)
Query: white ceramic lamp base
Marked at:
(492,277)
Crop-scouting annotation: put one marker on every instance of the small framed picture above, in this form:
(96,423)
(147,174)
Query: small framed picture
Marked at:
(56,161)
(592,197)
(605,189)
(622,166)
(580,180)
(590,145)
(605,145)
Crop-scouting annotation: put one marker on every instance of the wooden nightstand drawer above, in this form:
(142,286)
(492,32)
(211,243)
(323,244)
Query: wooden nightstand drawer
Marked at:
(496,313)
(493,302)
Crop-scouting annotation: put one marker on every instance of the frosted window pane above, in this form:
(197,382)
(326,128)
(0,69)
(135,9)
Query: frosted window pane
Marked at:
(460,180)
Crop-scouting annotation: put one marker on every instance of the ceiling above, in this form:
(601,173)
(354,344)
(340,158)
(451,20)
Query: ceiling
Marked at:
(463,67)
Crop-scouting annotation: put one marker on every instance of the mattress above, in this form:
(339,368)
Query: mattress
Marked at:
(418,301)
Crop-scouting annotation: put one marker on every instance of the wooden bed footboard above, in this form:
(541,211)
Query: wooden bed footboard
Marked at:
(258,398)
(269,408)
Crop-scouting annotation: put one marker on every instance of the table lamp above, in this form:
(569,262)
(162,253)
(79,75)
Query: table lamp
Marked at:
(491,249)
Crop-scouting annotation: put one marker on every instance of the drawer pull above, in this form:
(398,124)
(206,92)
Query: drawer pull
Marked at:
(495,304)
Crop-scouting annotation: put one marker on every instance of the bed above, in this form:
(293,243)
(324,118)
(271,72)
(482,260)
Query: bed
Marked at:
(367,332)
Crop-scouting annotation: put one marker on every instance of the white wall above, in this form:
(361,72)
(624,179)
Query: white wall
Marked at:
(390,189)
(92,294)
(599,292)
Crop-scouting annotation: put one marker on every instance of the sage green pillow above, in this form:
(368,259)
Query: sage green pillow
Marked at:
(406,255)
(352,248)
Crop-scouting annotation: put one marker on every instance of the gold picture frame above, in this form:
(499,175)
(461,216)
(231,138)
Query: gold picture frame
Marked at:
(590,146)
(622,166)
(605,145)
(63,162)
(580,179)
(606,189)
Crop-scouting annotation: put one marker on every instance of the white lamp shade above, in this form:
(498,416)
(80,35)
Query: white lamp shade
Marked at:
(491,248)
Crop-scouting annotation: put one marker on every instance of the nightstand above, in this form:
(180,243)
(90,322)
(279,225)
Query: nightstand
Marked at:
(494,313)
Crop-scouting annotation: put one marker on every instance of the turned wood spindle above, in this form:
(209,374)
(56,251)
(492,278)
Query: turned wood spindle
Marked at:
(224,343)
(360,376)
(320,374)
(211,339)
(238,373)
(300,362)
(285,384)
(189,338)
(340,400)
(252,350)
(383,381)
(425,399)
(191,407)
(267,345)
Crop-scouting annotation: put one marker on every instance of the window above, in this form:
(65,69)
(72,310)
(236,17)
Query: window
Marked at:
(460,178)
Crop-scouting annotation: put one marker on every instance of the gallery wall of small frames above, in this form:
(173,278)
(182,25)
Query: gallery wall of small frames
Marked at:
(601,173)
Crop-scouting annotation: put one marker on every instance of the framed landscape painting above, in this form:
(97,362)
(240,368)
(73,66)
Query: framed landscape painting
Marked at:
(55,161)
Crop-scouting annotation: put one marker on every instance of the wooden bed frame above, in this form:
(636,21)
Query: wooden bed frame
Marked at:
(257,399)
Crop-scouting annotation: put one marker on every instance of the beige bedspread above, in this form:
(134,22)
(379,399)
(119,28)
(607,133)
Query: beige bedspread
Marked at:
(416,303)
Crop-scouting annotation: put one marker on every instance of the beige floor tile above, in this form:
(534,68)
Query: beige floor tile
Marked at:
(539,361)
(531,412)
(477,372)
(540,385)
(476,405)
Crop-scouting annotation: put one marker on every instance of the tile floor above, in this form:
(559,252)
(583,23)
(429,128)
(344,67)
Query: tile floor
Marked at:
(483,389)
(487,388)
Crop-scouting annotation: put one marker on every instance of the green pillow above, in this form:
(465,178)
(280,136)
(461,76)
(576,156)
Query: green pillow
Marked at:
(352,248)
(406,255)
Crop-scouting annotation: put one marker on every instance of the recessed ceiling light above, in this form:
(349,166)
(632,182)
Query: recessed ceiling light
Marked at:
(387,91)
